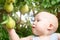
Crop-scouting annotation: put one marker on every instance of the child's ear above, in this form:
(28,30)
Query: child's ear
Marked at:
(50,27)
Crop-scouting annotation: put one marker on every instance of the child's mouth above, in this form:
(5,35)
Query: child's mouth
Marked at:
(33,27)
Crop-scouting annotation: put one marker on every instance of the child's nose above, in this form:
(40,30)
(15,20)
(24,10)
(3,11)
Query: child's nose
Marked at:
(34,23)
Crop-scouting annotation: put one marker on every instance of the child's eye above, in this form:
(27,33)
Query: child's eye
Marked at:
(38,20)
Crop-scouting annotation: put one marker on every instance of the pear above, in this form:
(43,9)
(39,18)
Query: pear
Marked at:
(11,23)
(24,9)
(8,7)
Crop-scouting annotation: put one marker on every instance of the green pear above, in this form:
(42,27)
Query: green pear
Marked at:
(11,23)
(24,9)
(8,7)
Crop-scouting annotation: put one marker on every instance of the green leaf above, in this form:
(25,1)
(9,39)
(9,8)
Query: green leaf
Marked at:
(58,1)
(53,2)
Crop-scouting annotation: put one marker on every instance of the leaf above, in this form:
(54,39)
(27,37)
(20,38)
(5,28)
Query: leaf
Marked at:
(58,1)
(2,1)
(4,16)
(53,2)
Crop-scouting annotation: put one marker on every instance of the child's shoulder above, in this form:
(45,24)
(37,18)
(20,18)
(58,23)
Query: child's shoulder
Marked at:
(58,34)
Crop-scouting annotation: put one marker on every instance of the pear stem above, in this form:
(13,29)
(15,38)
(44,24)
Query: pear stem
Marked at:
(4,22)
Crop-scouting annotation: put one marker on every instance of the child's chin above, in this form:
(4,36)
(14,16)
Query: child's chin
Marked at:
(36,34)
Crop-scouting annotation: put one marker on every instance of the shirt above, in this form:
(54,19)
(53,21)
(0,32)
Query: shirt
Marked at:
(52,37)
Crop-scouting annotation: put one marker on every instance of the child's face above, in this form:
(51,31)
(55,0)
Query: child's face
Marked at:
(40,25)
(44,24)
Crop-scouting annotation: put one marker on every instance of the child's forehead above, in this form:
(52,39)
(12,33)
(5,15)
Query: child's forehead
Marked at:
(41,15)
(45,15)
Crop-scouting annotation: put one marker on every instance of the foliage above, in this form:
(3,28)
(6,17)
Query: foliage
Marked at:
(24,30)
(3,33)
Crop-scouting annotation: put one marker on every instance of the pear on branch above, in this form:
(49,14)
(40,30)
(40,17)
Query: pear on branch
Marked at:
(24,9)
(8,7)
(10,23)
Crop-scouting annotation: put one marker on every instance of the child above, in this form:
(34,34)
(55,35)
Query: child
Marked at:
(44,26)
